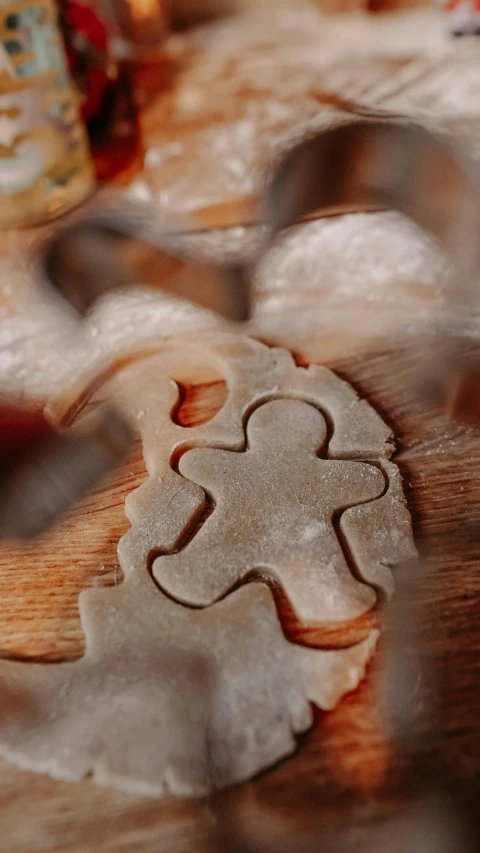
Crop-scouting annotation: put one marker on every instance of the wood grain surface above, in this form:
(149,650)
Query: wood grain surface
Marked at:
(342,774)
(343,765)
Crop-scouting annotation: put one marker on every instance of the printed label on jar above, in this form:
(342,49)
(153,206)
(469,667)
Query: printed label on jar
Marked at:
(45,165)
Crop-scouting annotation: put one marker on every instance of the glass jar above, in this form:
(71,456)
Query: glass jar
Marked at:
(45,165)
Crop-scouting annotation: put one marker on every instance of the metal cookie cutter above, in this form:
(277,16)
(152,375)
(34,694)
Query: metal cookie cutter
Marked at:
(361,164)
(385,163)
(111,248)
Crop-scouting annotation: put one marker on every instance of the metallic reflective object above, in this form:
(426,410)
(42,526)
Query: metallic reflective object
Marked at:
(109,249)
(361,164)
(393,163)
(383,163)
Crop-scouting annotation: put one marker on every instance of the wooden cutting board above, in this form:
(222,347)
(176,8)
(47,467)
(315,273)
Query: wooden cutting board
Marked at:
(340,773)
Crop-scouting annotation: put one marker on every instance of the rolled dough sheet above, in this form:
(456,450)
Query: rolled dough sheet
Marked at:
(182,699)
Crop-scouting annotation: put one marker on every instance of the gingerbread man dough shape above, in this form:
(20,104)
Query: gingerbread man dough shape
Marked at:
(274,510)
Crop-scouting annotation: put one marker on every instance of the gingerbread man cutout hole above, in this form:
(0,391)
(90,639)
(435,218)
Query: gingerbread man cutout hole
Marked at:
(275,505)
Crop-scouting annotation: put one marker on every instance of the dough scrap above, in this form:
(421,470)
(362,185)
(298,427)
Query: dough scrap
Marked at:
(172,699)
(274,509)
(169,700)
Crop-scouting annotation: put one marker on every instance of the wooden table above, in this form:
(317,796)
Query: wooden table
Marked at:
(360,310)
